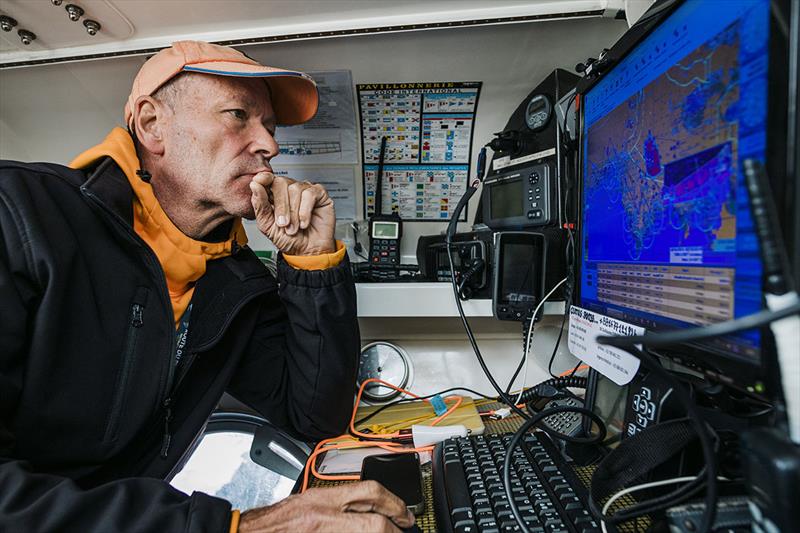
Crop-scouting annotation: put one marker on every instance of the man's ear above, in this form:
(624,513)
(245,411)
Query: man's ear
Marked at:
(149,124)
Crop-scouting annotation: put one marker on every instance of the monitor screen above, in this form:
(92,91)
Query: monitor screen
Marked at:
(519,273)
(504,199)
(667,237)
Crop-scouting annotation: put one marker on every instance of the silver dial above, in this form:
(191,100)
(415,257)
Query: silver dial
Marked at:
(384,361)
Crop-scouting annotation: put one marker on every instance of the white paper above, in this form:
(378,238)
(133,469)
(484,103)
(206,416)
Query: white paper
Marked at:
(339,181)
(584,327)
(329,137)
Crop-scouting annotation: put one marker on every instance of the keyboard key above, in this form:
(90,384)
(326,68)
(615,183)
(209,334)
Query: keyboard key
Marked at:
(465,527)
(462,515)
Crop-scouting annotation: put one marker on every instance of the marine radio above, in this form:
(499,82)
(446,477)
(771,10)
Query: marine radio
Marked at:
(385,231)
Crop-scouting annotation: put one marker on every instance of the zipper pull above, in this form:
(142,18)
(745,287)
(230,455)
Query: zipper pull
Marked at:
(136,319)
(167,437)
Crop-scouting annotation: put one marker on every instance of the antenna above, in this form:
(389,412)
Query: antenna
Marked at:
(379,179)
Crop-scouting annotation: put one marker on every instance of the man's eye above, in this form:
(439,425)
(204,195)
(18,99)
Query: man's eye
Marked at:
(239,114)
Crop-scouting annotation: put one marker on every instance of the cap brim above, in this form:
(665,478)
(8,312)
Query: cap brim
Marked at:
(294,94)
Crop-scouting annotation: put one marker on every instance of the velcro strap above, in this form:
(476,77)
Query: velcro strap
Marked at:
(640,454)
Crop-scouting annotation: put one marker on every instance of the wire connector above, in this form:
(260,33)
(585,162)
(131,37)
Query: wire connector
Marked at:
(500,414)
(439,407)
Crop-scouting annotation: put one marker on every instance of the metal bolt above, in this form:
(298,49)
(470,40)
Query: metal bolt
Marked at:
(92,26)
(56,2)
(27,37)
(7,23)
(75,12)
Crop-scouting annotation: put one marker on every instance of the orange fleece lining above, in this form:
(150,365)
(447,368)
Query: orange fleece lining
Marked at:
(317,262)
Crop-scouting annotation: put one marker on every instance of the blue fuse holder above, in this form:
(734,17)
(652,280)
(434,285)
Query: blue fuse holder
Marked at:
(439,407)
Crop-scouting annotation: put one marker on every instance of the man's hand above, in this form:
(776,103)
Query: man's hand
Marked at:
(365,507)
(298,217)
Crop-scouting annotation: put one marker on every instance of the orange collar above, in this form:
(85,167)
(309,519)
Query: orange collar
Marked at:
(182,258)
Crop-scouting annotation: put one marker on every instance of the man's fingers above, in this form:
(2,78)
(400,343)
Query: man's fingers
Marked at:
(280,201)
(295,195)
(265,179)
(309,199)
(371,496)
(261,206)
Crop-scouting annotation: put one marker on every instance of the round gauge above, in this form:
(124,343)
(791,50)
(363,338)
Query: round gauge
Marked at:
(538,112)
(387,362)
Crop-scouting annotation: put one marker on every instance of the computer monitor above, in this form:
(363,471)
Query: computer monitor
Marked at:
(666,235)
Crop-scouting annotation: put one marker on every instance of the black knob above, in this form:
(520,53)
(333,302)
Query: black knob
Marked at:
(7,23)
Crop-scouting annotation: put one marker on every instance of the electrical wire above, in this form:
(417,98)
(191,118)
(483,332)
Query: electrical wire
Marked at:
(451,230)
(533,421)
(356,439)
(394,435)
(555,348)
(530,336)
(413,399)
(645,486)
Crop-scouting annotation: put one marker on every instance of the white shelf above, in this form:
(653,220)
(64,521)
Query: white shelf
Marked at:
(423,300)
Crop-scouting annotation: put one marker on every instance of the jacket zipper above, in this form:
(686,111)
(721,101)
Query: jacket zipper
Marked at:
(169,389)
(184,369)
(155,266)
(127,363)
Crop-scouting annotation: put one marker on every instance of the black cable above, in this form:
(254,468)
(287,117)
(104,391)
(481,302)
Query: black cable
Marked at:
(451,230)
(518,435)
(558,342)
(720,329)
(403,400)
(690,488)
(525,349)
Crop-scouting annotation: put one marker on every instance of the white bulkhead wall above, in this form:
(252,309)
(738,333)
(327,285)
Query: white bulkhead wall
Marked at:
(53,112)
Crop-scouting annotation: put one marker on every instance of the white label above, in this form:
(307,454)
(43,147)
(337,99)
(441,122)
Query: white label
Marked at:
(614,363)
(531,157)
(501,162)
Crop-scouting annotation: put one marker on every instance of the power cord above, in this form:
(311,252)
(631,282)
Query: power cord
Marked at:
(451,231)
(529,337)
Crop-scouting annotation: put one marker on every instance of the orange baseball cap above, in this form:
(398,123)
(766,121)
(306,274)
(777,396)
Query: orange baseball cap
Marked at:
(294,94)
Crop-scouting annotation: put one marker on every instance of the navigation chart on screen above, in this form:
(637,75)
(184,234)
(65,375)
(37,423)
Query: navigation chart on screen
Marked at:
(666,230)
(672,170)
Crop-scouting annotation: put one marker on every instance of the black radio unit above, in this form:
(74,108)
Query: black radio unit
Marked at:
(520,197)
(472,261)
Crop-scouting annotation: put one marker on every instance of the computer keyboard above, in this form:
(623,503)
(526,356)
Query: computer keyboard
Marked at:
(469,494)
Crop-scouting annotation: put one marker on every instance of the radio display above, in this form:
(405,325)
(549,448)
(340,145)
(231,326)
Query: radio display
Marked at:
(505,199)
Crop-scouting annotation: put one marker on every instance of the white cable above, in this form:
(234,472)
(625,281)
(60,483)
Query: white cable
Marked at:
(527,346)
(644,486)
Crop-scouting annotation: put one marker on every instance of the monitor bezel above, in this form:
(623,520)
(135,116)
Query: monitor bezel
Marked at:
(762,378)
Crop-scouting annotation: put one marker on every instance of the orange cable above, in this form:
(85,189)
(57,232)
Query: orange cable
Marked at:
(567,372)
(322,446)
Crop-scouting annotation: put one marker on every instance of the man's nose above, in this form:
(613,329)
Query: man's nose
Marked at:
(263,142)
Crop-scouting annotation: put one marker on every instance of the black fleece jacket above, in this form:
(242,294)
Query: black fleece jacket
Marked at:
(94,412)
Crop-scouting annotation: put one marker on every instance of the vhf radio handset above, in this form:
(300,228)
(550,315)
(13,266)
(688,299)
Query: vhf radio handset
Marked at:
(384,230)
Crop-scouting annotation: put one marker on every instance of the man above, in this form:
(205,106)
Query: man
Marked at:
(129,304)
